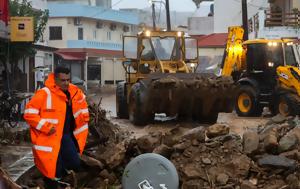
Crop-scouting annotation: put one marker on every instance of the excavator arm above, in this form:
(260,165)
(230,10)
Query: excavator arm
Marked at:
(234,52)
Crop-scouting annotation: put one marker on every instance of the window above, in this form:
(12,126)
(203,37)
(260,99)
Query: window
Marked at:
(147,53)
(94,72)
(80,33)
(250,24)
(126,28)
(109,82)
(77,21)
(108,36)
(290,56)
(259,55)
(99,25)
(95,34)
(55,33)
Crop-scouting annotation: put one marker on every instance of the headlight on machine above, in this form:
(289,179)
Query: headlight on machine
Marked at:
(271,64)
(148,33)
(272,44)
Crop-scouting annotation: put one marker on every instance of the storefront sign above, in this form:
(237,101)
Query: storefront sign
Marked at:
(21,29)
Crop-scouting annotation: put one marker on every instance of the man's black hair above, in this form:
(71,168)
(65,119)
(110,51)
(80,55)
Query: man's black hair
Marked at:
(61,69)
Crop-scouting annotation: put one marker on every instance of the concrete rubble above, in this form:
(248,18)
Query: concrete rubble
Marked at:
(266,157)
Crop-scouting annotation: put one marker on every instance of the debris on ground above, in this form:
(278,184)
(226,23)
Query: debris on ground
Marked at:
(13,136)
(205,157)
(6,182)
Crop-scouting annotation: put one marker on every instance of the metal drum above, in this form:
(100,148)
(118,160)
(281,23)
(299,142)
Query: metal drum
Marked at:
(150,171)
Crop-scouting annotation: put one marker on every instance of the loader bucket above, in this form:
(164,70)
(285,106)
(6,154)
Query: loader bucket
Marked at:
(197,96)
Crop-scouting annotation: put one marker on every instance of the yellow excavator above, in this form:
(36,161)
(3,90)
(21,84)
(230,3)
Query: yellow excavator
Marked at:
(266,72)
(160,78)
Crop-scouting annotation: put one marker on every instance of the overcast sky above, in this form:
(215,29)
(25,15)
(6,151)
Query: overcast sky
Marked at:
(178,5)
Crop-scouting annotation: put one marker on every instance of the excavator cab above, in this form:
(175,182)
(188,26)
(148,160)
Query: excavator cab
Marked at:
(263,57)
(269,54)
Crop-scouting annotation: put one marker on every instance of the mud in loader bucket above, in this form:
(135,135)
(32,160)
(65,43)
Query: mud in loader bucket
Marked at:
(197,96)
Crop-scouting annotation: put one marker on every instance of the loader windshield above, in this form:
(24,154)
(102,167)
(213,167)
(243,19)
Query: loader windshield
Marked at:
(163,47)
(296,48)
(263,56)
(290,56)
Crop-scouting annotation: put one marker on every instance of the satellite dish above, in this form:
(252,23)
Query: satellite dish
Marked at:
(150,171)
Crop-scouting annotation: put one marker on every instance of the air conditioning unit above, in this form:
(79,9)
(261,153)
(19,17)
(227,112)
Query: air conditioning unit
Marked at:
(77,21)
(99,25)
(113,27)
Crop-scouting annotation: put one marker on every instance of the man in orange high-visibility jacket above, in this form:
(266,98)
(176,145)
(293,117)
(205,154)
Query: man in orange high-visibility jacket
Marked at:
(58,117)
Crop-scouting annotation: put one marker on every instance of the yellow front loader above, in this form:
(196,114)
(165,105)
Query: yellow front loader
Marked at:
(160,78)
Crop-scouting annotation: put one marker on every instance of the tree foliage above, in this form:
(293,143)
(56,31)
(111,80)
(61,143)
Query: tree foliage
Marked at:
(18,50)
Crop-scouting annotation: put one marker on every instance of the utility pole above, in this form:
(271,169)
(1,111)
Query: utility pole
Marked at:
(245,19)
(168,16)
(153,16)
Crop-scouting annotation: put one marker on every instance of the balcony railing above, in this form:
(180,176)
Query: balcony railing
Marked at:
(94,45)
(282,19)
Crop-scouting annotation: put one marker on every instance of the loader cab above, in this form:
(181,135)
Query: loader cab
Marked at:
(263,57)
(267,55)
(160,48)
(160,51)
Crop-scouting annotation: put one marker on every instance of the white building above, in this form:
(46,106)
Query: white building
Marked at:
(229,13)
(262,23)
(100,3)
(89,39)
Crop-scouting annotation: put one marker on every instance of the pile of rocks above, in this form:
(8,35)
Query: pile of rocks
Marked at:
(212,157)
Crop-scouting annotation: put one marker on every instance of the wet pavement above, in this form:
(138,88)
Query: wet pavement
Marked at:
(16,159)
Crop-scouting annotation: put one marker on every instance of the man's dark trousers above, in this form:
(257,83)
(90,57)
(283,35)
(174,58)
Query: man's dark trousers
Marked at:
(68,159)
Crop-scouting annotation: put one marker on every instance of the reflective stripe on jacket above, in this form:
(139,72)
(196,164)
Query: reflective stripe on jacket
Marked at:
(47,109)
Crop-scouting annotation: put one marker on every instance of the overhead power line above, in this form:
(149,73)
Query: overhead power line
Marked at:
(253,5)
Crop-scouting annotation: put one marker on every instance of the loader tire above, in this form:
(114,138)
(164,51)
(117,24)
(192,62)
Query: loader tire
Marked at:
(247,103)
(288,104)
(137,108)
(121,101)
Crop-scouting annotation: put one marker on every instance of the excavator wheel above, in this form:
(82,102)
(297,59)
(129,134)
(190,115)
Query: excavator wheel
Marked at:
(137,114)
(246,103)
(288,104)
(121,101)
